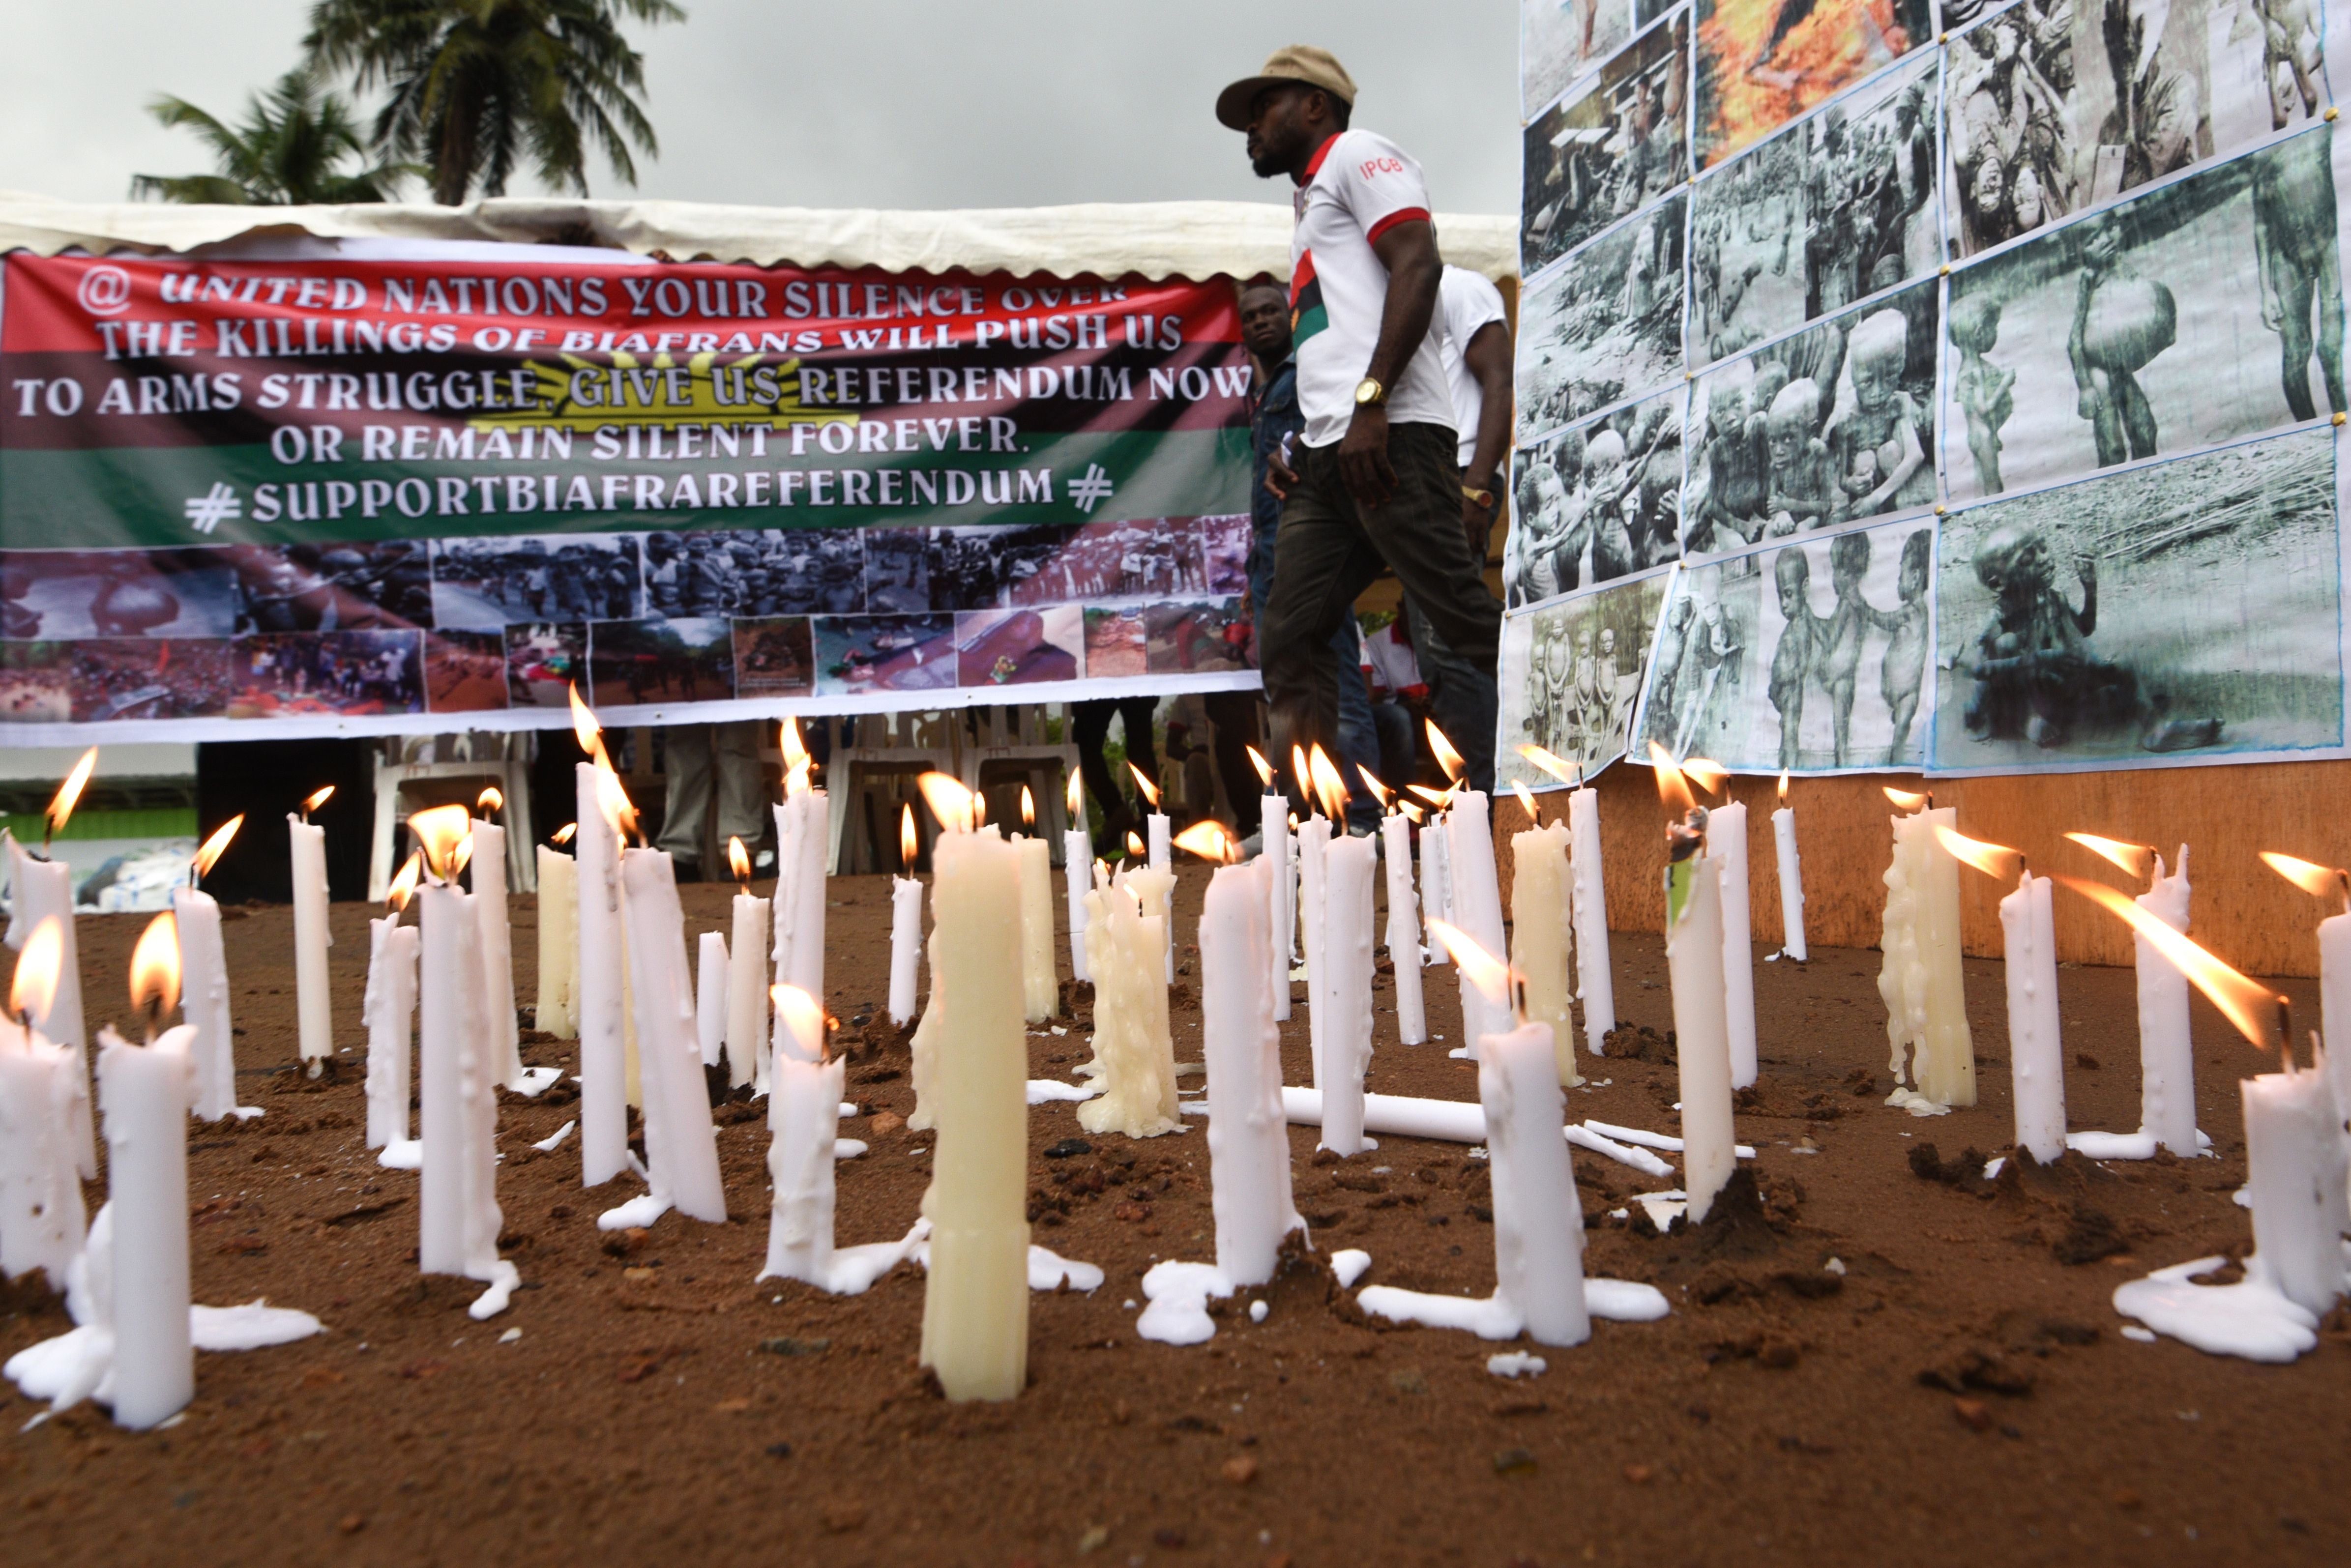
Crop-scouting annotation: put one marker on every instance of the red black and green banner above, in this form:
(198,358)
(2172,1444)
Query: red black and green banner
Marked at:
(363,491)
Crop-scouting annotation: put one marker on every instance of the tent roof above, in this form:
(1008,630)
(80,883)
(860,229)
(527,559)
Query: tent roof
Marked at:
(1155,239)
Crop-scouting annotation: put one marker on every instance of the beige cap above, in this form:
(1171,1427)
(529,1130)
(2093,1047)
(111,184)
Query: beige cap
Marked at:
(1298,63)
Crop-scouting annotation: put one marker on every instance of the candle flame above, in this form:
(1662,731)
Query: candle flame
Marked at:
(1298,770)
(403,886)
(1711,776)
(1526,799)
(1144,783)
(1456,769)
(61,806)
(979,811)
(1783,786)
(1412,812)
(217,845)
(1480,968)
(611,799)
(439,830)
(1293,822)
(1558,767)
(1264,769)
(788,741)
(563,834)
(2318,881)
(1380,792)
(2244,1002)
(1903,799)
(318,798)
(464,857)
(584,727)
(1027,807)
(2137,860)
(1992,860)
(1135,846)
(1207,839)
(1673,791)
(1075,797)
(796,778)
(155,967)
(1438,798)
(1329,788)
(490,801)
(35,984)
(949,801)
(802,1016)
(738,859)
(910,842)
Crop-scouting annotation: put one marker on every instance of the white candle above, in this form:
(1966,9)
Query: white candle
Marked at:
(1077,859)
(1163,860)
(489,868)
(1404,930)
(203,998)
(1792,885)
(1539,926)
(388,1011)
(1594,978)
(457,1204)
(1920,978)
(1701,1036)
(1039,982)
(681,1145)
(1725,841)
(43,890)
(1346,993)
(145,1091)
(558,944)
(807,1096)
(801,839)
(2166,1059)
(2035,1052)
(1436,880)
(41,1219)
(1538,1219)
(314,1012)
(1313,854)
(976,1303)
(1134,1051)
(746,992)
(2295,1174)
(1249,1143)
(906,943)
(710,971)
(1273,848)
(598,972)
(1476,907)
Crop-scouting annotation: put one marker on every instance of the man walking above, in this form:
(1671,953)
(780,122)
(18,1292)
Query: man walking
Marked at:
(1374,480)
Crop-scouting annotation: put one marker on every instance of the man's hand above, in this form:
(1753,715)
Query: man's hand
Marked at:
(1477,521)
(1281,479)
(1364,457)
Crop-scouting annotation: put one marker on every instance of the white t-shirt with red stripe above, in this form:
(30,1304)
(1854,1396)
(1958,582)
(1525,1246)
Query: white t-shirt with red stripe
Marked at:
(1468,302)
(1359,187)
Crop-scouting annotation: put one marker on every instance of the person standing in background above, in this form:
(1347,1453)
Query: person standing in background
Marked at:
(707,762)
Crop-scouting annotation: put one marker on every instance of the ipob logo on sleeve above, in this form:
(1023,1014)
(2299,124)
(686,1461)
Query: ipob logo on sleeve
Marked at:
(1307,314)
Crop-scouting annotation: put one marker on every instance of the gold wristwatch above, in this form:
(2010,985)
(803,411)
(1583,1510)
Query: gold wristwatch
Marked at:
(1369,393)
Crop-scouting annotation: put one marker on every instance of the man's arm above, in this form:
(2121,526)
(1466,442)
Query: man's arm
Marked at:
(1489,358)
(1408,250)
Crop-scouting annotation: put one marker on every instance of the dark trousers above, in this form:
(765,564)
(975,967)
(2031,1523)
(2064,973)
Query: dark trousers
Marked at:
(1461,699)
(1331,549)
(1089,727)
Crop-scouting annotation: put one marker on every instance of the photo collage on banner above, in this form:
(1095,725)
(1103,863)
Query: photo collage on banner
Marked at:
(2018,307)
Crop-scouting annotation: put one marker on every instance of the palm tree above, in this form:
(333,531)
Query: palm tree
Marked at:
(290,150)
(480,87)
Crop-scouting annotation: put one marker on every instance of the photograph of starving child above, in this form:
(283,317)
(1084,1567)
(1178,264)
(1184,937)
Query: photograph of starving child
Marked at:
(68,595)
(1762,63)
(1808,657)
(1608,151)
(690,659)
(1836,207)
(2188,607)
(1595,503)
(1571,677)
(1831,425)
(2204,311)
(1607,325)
(1016,647)
(487,583)
(1560,39)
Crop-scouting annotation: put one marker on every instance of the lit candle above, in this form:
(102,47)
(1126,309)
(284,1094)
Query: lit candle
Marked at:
(2295,1175)
(710,971)
(1404,930)
(1077,855)
(1791,877)
(745,1029)
(558,940)
(1435,880)
(1248,1144)
(976,1304)
(1538,930)
(1273,844)
(2035,1052)
(1345,992)
(2333,963)
(1476,906)
(388,1011)
(1134,1050)
(41,1089)
(489,867)
(1313,857)
(1933,1061)
(1595,975)
(600,969)
(2167,1058)
(42,890)
(681,1145)
(205,985)
(1041,988)
(803,832)
(313,1010)
(1155,828)
(1725,841)
(906,930)
(1694,962)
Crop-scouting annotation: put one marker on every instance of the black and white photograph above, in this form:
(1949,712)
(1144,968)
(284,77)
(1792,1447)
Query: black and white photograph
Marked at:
(1608,151)
(355,673)
(672,659)
(488,583)
(544,658)
(982,569)
(775,657)
(1803,657)
(338,587)
(2203,311)
(1840,205)
(1595,502)
(1763,63)
(2139,618)
(897,570)
(1830,425)
(1606,325)
(1559,40)
(790,571)
(151,677)
(2055,107)
(1571,677)
(65,595)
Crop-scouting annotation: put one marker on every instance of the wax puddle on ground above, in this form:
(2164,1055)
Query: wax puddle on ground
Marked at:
(403,1154)
(79,1364)
(534,1081)
(2249,1319)
(852,1271)
(1044,1090)
(554,1141)
(2138,1145)
(1516,1363)
(1046,1269)
(1349,1263)
(1495,1318)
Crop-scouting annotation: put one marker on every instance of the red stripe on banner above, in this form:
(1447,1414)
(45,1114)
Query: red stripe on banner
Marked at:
(1407,215)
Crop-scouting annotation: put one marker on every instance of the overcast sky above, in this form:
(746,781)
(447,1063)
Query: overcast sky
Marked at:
(879,103)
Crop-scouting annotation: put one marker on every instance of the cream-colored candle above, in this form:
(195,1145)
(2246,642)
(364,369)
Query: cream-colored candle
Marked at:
(1135,1052)
(2166,1059)
(2036,1054)
(43,890)
(314,1010)
(600,974)
(558,944)
(976,1305)
(1725,841)
(1249,1143)
(746,991)
(1933,1063)
(1702,1039)
(1039,982)
(143,1091)
(1343,991)
(1404,930)
(1595,978)
(1539,896)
